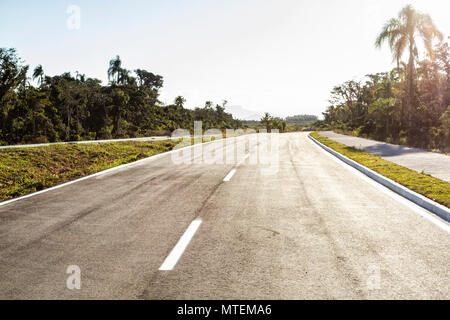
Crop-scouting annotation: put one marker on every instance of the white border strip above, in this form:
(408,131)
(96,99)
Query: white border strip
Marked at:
(143,139)
(154,138)
(123,166)
(416,198)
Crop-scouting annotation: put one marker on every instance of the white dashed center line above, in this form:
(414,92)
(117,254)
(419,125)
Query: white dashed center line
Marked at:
(229,175)
(181,245)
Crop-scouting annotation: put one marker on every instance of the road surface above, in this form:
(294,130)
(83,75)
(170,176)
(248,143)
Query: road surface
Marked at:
(432,163)
(312,230)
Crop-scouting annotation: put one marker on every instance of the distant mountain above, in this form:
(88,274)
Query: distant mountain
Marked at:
(241,113)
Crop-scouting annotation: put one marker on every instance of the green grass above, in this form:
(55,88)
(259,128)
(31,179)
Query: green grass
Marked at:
(25,170)
(424,184)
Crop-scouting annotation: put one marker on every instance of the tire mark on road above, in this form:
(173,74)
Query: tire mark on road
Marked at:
(319,227)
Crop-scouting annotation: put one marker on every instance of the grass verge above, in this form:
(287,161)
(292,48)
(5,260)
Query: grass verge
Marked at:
(26,170)
(428,186)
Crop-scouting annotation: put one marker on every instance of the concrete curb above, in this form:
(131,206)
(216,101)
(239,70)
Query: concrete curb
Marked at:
(418,199)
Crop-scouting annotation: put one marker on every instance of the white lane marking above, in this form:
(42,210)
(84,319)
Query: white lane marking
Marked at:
(233,171)
(229,175)
(181,245)
(419,210)
(243,159)
(179,248)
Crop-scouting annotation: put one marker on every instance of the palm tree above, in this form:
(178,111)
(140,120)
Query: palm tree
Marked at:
(80,76)
(179,101)
(267,121)
(400,33)
(124,76)
(208,104)
(38,73)
(115,68)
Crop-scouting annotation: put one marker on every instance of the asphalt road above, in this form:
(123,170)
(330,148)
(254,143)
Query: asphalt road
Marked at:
(312,229)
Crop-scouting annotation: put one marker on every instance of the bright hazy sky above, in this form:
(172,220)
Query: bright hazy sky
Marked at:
(281,56)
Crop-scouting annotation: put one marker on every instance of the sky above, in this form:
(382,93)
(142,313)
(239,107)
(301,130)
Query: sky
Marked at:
(279,56)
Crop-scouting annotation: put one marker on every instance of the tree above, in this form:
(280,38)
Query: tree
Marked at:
(12,76)
(124,77)
(208,104)
(36,102)
(445,119)
(115,68)
(401,33)
(120,100)
(267,121)
(179,101)
(149,80)
(38,73)
(77,107)
(80,76)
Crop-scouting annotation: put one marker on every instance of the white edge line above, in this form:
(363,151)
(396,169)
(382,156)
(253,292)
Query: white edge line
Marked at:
(176,253)
(154,138)
(422,212)
(229,175)
(154,157)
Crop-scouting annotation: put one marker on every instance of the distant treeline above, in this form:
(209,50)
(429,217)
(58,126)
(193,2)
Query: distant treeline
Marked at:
(288,124)
(301,119)
(408,105)
(68,108)
(298,119)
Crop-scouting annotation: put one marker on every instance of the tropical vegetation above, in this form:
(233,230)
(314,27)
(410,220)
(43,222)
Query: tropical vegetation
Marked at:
(407,105)
(70,107)
(24,170)
(288,124)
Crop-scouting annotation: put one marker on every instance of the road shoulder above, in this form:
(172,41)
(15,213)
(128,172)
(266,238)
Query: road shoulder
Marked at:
(426,191)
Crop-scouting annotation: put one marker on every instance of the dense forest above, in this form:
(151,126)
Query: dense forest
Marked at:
(408,105)
(71,108)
